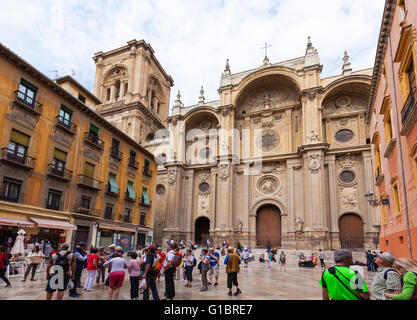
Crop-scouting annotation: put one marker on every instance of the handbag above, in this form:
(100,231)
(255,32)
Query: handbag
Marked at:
(143,284)
(70,285)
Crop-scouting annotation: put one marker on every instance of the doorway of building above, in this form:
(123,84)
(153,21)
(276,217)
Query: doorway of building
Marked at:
(81,235)
(202,230)
(351,231)
(268,226)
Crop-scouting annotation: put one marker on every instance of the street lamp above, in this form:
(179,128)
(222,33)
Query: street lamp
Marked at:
(374,202)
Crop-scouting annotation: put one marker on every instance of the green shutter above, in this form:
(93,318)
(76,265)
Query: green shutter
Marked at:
(93,129)
(113,183)
(89,170)
(147,163)
(20,138)
(132,154)
(130,190)
(145,197)
(60,155)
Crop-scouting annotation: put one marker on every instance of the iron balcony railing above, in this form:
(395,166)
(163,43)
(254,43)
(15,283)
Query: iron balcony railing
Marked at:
(111,193)
(66,124)
(94,140)
(125,218)
(142,202)
(108,216)
(133,163)
(27,102)
(84,210)
(128,198)
(89,182)
(147,172)
(17,158)
(116,154)
(408,106)
(59,172)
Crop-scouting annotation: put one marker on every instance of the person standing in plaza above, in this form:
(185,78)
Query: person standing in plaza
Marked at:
(101,271)
(80,264)
(214,266)
(387,279)
(135,276)
(66,260)
(35,258)
(189,266)
(205,266)
(283,261)
(169,270)
(336,282)
(4,261)
(322,257)
(245,256)
(375,264)
(232,263)
(178,268)
(117,266)
(161,258)
(370,261)
(150,273)
(408,271)
(92,266)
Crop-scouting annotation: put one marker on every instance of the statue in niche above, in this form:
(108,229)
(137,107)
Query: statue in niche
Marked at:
(299,223)
(267,101)
(240,226)
(313,137)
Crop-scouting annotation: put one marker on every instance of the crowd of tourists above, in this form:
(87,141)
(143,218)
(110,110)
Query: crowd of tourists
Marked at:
(395,279)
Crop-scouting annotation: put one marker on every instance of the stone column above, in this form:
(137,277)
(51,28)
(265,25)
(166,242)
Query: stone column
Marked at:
(98,82)
(291,198)
(371,219)
(188,207)
(223,205)
(174,200)
(333,198)
(213,199)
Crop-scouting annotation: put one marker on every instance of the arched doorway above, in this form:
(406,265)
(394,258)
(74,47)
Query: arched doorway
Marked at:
(202,230)
(268,226)
(351,231)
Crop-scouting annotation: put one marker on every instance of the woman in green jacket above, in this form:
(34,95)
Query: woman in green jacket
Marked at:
(408,270)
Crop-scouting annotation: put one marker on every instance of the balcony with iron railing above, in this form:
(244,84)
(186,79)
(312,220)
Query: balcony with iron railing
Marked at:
(126,218)
(128,198)
(409,112)
(90,183)
(85,211)
(108,215)
(27,103)
(142,203)
(17,159)
(59,173)
(94,140)
(115,153)
(147,172)
(133,164)
(109,191)
(66,125)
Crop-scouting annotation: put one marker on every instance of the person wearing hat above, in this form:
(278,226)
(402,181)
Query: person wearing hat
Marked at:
(81,258)
(342,283)
(387,279)
(408,270)
(232,262)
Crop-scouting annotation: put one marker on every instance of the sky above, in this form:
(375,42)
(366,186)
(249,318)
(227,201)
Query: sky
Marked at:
(191,38)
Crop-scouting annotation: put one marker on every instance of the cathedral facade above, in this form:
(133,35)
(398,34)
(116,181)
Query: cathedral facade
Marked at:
(282,156)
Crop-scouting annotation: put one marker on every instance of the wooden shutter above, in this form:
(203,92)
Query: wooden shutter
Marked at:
(20,138)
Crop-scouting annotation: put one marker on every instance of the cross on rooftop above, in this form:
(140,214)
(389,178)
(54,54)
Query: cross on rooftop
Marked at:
(266,48)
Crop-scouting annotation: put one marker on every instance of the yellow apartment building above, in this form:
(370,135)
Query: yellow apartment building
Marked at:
(67,174)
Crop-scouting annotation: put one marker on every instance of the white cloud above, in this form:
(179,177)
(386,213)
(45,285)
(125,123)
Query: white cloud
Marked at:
(191,39)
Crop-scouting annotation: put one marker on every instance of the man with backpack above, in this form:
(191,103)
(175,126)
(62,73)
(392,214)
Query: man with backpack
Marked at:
(342,283)
(65,260)
(172,260)
(151,270)
(387,279)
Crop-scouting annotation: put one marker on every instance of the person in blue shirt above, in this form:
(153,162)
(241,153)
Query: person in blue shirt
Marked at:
(81,257)
(214,266)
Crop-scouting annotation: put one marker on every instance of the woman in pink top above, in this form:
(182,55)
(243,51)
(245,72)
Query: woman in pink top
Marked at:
(92,266)
(135,276)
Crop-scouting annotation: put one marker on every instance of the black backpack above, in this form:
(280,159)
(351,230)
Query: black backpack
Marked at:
(63,261)
(194,262)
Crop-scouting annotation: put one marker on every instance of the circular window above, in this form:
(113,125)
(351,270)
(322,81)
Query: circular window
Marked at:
(160,189)
(268,141)
(204,187)
(344,135)
(347,176)
(205,153)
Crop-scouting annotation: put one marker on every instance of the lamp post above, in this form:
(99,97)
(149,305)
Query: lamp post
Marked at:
(374,202)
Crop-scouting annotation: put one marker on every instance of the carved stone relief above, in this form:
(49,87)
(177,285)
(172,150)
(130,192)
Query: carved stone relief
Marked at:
(344,104)
(224,172)
(314,163)
(349,197)
(171,176)
(268,185)
(203,205)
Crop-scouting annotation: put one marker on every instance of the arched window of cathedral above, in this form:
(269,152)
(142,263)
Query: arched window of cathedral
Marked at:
(108,94)
(344,135)
(152,100)
(204,187)
(160,189)
(117,90)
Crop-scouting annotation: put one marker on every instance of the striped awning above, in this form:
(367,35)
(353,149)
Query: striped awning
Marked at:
(18,223)
(53,224)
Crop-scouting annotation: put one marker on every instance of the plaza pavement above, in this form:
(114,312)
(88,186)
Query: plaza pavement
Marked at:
(257,282)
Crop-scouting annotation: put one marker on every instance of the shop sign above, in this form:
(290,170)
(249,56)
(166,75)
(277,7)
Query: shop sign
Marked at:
(45,230)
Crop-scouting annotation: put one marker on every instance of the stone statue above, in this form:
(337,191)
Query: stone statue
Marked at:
(299,223)
(240,226)
(313,137)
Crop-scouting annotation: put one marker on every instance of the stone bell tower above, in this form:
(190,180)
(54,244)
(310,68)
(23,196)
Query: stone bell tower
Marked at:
(134,90)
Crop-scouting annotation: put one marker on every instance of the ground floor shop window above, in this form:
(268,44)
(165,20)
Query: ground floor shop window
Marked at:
(8,237)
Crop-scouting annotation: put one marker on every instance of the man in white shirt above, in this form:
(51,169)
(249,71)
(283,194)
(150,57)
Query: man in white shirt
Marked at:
(169,273)
(245,256)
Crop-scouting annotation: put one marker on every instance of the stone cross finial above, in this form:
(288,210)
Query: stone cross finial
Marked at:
(178,102)
(346,69)
(227,67)
(310,49)
(201,98)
